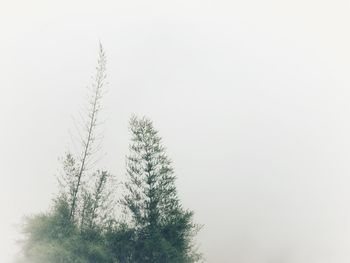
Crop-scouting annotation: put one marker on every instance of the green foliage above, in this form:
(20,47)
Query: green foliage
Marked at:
(160,230)
(53,238)
(121,241)
(163,228)
(81,226)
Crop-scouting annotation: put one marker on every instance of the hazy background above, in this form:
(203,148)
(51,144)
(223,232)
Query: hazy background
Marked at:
(251,98)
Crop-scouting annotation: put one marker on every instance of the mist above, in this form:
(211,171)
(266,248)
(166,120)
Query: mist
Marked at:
(250,97)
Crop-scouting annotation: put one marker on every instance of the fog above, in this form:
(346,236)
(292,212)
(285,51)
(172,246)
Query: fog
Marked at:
(250,97)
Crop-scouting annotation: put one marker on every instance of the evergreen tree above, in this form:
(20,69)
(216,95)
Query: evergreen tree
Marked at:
(164,229)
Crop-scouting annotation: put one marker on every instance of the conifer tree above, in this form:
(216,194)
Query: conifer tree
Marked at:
(164,229)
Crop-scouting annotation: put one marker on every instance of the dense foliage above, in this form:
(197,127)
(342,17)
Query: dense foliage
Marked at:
(82,226)
(162,227)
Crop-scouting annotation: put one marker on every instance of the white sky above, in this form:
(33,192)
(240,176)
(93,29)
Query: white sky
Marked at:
(251,98)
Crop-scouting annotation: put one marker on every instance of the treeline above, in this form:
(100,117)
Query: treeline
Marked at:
(88,224)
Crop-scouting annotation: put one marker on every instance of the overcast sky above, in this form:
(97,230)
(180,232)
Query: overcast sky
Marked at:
(251,98)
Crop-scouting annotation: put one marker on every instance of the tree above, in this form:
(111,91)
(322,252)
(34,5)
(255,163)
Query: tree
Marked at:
(73,230)
(164,229)
(87,133)
(81,226)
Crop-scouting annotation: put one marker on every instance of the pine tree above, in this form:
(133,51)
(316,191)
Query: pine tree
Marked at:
(164,229)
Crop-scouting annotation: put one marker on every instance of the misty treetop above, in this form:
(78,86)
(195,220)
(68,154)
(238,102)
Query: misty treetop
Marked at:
(82,227)
(162,227)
